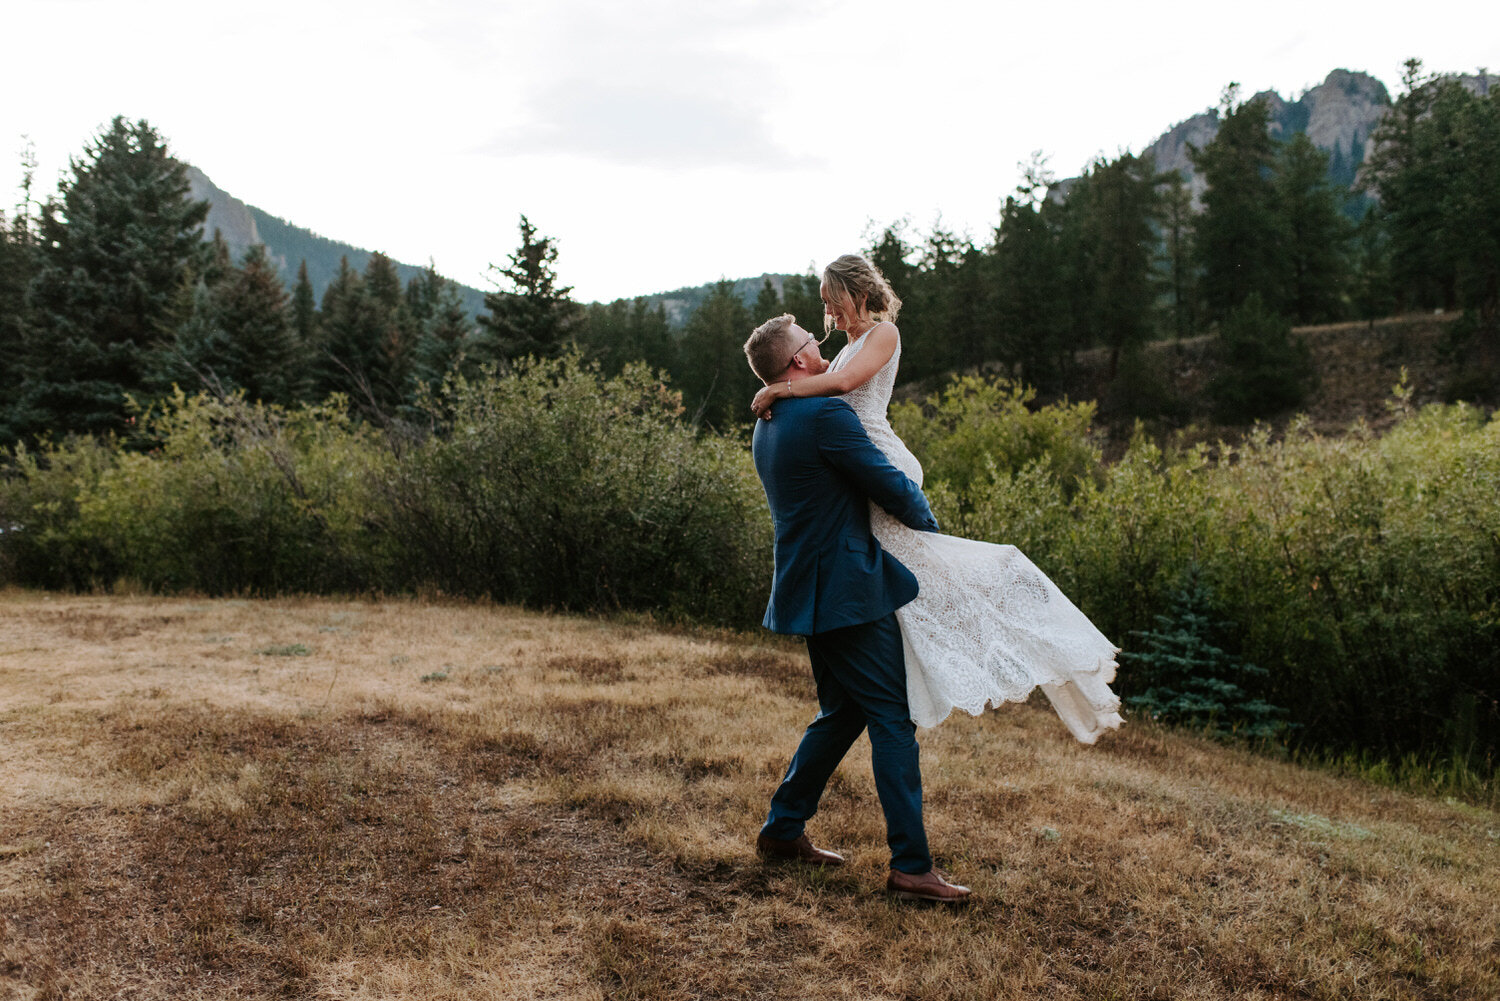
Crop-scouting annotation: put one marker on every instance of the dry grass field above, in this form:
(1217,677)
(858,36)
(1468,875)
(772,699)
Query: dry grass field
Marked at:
(341,799)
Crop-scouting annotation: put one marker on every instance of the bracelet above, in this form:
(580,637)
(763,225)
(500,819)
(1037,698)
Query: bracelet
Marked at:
(789,388)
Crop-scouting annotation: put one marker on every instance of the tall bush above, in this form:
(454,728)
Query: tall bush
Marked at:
(558,487)
(1361,572)
(241,497)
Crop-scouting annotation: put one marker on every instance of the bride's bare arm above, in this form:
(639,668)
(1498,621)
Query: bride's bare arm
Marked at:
(860,370)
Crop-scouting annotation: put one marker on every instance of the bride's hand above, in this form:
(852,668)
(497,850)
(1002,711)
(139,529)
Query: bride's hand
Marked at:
(763,400)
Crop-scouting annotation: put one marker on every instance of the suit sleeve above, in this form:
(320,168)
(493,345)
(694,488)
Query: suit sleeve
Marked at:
(843,442)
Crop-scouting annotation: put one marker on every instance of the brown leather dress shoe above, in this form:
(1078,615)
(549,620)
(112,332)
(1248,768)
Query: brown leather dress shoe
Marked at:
(926,886)
(799,850)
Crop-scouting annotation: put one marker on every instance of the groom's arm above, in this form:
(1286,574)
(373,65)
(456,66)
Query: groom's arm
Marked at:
(843,442)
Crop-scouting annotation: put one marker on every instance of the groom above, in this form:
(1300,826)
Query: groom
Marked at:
(834,585)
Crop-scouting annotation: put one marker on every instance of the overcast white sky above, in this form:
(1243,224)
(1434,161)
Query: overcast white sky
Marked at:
(665,142)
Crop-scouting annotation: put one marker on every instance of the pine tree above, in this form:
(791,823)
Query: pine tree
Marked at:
(346,356)
(1179,273)
(193,357)
(446,336)
(931,310)
(1406,176)
(617,333)
(652,337)
(422,295)
(1372,296)
(1315,233)
(801,296)
(528,313)
(1462,140)
(1436,167)
(263,355)
(1263,370)
(392,332)
(304,311)
(1119,210)
(1032,288)
(18,256)
(115,248)
(891,256)
(1239,232)
(1185,676)
(716,380)
(767,302)
(15,274)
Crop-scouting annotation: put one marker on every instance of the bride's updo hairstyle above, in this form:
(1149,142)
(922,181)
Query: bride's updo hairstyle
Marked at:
(856,278)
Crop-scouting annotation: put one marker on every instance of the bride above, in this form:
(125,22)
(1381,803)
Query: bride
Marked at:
(987,626)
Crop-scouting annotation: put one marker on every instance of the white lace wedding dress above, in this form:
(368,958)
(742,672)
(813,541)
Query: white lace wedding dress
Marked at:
(987,626)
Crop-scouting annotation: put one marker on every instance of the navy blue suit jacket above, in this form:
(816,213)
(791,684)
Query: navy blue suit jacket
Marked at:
(820,471)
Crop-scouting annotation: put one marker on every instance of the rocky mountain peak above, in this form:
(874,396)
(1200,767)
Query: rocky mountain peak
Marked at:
(1338,115)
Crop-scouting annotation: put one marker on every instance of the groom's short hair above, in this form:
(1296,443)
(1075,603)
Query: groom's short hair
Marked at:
(767,347)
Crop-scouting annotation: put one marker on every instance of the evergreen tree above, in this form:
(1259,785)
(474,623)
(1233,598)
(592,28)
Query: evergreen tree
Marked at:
(1239,232)
(1315,233)
(651,337)
(1437,169)
(533,315)
(218,263)
(15,272)
(1119,209)
(891,256)
(193,357)
(1372,295)
(1031,286)
(716,380)
(930,314)
(974,313)
(1463,137)
(304,311)
(383,284)
(446,336)
(1185,676)
(263,354)
(115,248)
(1407,178)
(422,295)
(392,333)
(346,356)
(767,302)
(1179,272)
(18,253)
(624,331)
(801,295)
(1262,369)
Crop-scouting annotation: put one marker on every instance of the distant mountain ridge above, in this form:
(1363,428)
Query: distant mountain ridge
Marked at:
(242,226)
(1338,115)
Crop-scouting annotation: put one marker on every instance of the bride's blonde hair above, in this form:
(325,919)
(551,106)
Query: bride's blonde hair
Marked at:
(856,278)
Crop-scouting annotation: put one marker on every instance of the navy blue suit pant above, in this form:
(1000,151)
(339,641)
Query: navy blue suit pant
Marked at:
(860,672)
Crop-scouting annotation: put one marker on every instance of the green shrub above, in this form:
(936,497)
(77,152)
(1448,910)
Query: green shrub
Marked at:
(42,541)
(975,424)
(1362,573)
(557,487)
(241,497)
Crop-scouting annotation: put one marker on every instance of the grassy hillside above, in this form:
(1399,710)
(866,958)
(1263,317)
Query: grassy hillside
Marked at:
(427,800)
